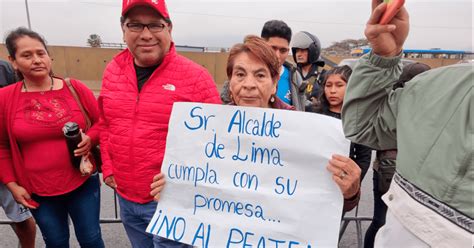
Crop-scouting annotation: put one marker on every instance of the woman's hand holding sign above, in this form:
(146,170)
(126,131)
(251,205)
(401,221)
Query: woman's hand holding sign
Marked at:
(346,174)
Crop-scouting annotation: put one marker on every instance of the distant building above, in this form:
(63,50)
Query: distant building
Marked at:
(357,52)
(435,53)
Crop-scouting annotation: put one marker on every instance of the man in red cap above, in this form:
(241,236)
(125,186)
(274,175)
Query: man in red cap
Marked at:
(139,88)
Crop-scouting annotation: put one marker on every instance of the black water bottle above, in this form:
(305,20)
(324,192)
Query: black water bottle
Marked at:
(72,133)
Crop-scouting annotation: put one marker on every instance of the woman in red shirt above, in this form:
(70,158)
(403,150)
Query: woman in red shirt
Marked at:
(34,158)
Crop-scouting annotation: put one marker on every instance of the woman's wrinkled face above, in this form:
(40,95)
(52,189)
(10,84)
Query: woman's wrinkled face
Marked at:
(335,89)
(251,83)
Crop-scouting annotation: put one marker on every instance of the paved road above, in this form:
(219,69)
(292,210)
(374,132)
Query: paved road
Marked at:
(114,234)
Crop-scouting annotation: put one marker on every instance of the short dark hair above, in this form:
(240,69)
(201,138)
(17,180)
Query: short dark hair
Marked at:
(14,35)
(276,28)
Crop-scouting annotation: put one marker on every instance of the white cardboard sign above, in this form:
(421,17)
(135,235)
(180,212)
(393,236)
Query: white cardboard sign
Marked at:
(249,177)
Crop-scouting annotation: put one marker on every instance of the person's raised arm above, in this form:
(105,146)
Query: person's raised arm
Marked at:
(370,106)
(387,40)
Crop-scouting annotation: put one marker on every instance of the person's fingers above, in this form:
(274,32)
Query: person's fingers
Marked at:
(85,139)
(375,30)
(351,167)
(84,142)
(81,153)
(26,200)
(356,170)
(376,3)
(339,174)
(110,181)
(112,185)
(333,169)
(84,146)
(353,184)
(348,186)
(346,174)
(158,177)
(81,150)
(26,204)
(338,161)
(377,14)
(85,170)
(340,183)
(157,183)
(340,157)
(156,191)
(402,14)
(344,163)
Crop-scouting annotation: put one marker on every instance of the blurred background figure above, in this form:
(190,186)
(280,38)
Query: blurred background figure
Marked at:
(290,87)
(7,74)
(306,49)
(24,225)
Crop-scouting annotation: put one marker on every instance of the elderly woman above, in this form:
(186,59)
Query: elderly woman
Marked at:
(252,69)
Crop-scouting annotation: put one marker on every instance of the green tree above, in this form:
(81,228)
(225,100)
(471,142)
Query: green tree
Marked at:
(94,40)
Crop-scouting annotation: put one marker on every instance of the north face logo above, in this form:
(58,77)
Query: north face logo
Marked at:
(154,1)
(169,87)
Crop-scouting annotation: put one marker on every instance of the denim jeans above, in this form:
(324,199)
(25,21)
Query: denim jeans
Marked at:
(135,218)
(82,205)
(380,211)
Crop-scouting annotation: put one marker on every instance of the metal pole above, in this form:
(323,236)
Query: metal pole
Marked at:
(28,14)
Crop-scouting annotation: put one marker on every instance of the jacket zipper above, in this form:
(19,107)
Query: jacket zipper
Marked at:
(135,118)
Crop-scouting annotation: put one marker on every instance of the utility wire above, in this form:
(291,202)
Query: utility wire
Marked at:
(313,22)
(289,20)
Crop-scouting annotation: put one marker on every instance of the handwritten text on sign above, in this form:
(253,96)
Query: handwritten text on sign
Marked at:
(249,177)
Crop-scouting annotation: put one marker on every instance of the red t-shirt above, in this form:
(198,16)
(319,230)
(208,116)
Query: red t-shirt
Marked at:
(38,124)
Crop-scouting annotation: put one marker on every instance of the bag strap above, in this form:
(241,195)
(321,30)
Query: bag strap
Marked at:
(79,103)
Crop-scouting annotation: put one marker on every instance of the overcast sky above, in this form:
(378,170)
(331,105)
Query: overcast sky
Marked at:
(442,24)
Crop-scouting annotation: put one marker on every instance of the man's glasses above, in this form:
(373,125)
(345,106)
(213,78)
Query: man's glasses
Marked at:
(152,27)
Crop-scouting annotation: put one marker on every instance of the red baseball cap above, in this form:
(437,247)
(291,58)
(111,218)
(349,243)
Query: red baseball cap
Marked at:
(158,5)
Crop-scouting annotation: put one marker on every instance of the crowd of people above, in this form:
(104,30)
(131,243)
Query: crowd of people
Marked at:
(420,126)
